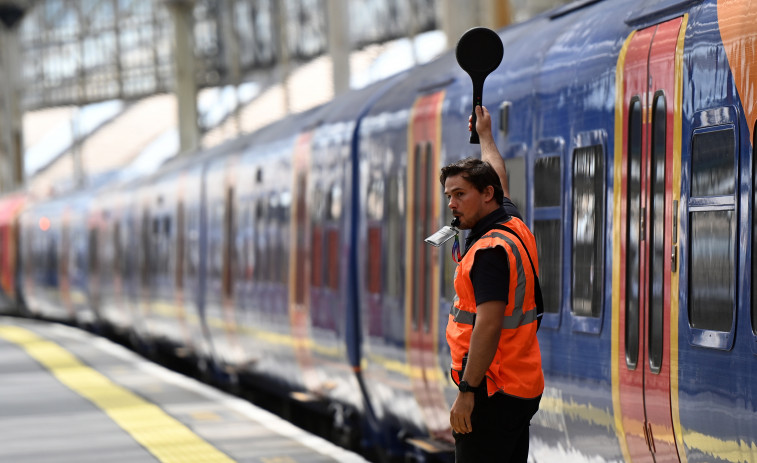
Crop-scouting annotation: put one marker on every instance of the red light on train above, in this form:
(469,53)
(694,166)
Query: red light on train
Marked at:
(44,224)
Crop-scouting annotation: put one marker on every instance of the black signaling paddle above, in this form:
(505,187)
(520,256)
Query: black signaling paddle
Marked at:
(479,51)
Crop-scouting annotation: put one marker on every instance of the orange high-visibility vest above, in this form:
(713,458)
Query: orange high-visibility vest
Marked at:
(516,368)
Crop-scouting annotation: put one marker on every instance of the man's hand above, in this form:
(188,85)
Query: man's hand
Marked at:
(459,415)
(483,123)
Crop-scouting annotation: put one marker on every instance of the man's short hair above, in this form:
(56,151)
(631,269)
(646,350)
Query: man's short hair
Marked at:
(479,173)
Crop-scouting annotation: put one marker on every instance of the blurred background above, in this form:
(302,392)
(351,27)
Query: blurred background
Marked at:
(97,88)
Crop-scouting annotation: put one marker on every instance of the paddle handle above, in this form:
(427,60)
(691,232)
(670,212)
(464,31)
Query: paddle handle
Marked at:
(478,90)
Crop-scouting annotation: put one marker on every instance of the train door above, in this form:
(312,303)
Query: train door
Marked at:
(648,134)
(422,262)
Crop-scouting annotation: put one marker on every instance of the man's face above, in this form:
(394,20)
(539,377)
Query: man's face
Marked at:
(466,202)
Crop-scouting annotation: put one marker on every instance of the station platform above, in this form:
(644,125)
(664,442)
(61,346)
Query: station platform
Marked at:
(69,396)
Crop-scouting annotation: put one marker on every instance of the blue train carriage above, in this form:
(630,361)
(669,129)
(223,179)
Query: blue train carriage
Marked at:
(55,259)
(402,288)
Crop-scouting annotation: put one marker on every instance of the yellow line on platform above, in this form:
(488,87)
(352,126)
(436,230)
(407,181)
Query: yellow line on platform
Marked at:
(166,438)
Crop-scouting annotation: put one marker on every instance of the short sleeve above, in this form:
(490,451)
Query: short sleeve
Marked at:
(490,275)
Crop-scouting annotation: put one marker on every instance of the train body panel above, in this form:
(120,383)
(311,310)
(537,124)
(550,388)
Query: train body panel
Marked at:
(10,291)
(56,259)
(294,256)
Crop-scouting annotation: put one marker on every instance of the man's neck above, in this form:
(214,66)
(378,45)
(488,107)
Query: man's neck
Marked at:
(496,215)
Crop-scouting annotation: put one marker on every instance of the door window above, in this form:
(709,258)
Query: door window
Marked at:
(548,227)
(633,238)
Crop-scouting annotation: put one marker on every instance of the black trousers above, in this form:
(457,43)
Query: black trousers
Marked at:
(500,430)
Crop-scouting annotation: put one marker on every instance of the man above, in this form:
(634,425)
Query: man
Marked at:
(492,326)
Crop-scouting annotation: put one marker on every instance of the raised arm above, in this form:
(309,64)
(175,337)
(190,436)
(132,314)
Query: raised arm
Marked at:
(489,151)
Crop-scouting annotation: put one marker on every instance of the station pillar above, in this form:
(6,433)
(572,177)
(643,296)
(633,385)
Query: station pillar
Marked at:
(494,14)
(185,84)
(339,44)
(11,116)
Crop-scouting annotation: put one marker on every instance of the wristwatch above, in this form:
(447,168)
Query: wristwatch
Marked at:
(465,387)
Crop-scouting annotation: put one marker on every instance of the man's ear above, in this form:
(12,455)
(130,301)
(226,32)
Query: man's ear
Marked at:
(488,193)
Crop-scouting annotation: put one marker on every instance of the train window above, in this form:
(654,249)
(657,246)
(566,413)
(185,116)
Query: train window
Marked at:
(179,265)
(316,274)
(428,220)
(259,238)
(166,254)
(547,234)
(504,118)
(417,235)
(215,244)
(245,239)
(547,226)
(588,216)
(516,180)
(395,208)
(713,224)
(633,235)
(335,202)
(193,244)
(229,248)
(375,198)
(374,259)
(713,260)
(52,259)
(713,164)
(334,256)
(657,233)
(547,176)
(375,213)
(117,250)
(333,239)
(317,203)
(275,245)
(144,268)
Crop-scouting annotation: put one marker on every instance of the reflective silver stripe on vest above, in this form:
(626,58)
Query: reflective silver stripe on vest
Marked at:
(520,289)
(462,316)
(518,318)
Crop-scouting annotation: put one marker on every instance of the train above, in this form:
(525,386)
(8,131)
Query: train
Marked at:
(293,259)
